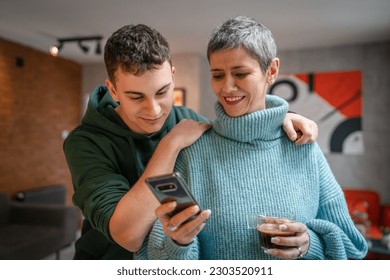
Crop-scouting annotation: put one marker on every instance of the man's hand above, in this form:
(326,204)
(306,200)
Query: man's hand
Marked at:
(186,132)
(300,129)
(179,227)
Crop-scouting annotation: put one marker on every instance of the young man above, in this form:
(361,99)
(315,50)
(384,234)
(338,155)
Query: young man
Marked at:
(132,131)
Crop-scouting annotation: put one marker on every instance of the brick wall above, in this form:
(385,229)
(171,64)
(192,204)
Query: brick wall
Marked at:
(39,98)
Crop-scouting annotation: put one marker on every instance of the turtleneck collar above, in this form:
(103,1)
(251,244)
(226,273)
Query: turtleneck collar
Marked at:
(264,125)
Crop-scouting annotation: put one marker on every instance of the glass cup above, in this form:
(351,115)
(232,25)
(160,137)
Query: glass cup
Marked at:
(268,226)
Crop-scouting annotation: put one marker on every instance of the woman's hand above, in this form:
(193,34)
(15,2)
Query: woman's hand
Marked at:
(296,246)
(183,226)
(300,129)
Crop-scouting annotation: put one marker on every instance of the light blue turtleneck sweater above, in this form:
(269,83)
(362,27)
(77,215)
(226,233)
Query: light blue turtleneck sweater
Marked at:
(247,165)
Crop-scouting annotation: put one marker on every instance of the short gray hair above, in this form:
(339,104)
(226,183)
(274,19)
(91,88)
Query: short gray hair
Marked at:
(245,32)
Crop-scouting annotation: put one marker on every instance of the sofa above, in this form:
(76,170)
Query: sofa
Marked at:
(50,194)
(34,229)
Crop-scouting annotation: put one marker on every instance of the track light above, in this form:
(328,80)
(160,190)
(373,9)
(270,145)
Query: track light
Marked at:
(55,49)
(98,48)
(85,49)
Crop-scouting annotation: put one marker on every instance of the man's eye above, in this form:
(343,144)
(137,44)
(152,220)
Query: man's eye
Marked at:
(136,97)
(161,93)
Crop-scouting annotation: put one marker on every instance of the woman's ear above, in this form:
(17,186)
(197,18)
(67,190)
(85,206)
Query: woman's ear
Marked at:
(273,70)
(112,90)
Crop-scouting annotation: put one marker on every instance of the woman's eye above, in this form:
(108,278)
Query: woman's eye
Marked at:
(217,76)
(241,75)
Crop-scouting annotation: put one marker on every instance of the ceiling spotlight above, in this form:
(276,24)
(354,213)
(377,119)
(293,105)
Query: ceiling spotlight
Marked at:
(55,49)
(82,47)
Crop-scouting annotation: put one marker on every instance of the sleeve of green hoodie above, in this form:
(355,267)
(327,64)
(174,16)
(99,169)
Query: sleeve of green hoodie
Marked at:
(97,179)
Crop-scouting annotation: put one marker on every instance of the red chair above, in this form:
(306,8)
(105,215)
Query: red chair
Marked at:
(372,218)
(365,209)
(385,216)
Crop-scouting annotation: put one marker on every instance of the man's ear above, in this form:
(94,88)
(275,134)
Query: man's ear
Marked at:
(173,74)
(112,90)
(273,71)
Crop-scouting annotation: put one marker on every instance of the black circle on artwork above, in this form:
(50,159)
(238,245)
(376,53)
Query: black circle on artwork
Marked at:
(291,84)
(342,131)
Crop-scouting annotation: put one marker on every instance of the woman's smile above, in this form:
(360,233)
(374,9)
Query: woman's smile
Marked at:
(232,100)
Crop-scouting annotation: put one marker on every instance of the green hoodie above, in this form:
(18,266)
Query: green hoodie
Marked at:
(105,159)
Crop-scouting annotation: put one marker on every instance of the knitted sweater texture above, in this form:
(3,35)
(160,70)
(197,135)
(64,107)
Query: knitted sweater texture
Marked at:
(246,165)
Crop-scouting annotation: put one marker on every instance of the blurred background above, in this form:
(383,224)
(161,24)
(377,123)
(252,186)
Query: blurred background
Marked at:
(43,97)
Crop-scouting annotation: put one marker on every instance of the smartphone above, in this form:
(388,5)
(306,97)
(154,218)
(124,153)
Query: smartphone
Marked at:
(171,187)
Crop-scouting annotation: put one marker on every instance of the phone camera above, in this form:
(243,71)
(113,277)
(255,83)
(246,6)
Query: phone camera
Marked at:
(170,187)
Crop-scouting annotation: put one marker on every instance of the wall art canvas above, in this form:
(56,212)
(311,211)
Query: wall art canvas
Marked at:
(333,100)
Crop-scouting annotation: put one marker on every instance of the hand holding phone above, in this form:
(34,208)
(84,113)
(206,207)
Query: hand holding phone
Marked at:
(171,187)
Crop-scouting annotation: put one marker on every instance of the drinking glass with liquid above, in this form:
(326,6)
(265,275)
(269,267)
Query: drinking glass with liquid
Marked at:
(269,226)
